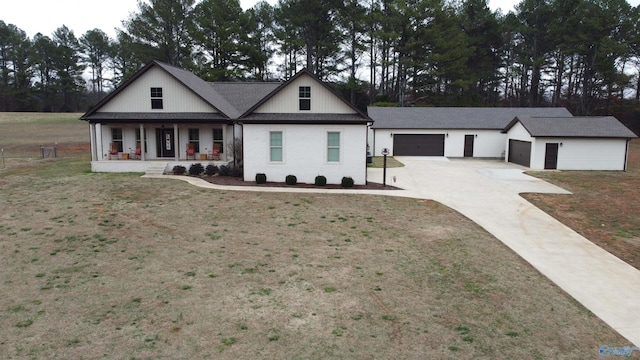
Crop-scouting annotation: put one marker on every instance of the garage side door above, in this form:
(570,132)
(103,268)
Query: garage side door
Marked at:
(520,152)
(418,144)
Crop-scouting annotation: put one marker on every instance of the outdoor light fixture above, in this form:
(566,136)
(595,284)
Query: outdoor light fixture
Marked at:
(385,153)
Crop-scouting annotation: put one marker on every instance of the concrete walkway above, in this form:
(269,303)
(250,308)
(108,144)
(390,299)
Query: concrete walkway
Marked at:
(487,192)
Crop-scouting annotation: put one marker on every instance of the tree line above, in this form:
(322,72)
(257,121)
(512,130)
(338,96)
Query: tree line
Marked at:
(582,54)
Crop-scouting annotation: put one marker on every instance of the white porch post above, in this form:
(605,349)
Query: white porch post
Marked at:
(224,142)
(143,148)
(176,140)
(92,137)
(99,148)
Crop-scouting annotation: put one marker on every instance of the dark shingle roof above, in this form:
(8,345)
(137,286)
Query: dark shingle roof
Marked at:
(243,95)
(454,117)
(303,118)
(230,99)
(202,89)
(588,127)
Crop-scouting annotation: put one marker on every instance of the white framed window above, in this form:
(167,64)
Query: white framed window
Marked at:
(218,140)
(333,146)
(138,138)
(156,98)
(116,138)
(304,97)
(194,138)
(276,146)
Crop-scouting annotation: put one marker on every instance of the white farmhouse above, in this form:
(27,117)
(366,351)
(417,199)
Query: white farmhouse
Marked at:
(166,116)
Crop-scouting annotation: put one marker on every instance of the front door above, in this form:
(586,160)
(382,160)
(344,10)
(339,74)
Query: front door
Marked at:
(551,156)
(468,145)
(165,143)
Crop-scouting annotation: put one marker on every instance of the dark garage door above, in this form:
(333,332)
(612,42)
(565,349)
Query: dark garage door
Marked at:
(520,152)
(418,144)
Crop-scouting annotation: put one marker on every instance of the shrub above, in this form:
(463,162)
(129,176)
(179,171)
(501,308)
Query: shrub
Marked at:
(179,170)
(224,170)
(261,178)
(196,169)
(347,182)
(235,172)
(211,170)
(321,180)
(291,180)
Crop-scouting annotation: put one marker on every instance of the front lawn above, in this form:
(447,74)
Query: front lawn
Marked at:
(118,266)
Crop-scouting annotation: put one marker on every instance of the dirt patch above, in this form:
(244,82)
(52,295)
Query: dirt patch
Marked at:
(604,206)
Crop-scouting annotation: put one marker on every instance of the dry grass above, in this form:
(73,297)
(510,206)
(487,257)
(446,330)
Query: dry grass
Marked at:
(604,206)
(378,162)
(22,134)
(117,266)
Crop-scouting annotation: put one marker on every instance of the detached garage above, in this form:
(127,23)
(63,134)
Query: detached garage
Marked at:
(450,131)
(568,143)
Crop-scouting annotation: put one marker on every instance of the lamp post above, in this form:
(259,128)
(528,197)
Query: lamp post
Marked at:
(385,152)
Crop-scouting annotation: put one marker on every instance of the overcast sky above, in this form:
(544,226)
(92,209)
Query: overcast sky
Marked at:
(46,16)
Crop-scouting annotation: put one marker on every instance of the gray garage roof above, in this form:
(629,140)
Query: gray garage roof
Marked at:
(587,127)
(454,117)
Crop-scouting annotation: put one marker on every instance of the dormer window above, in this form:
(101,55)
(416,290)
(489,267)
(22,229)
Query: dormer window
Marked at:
(305,97)
(156,98)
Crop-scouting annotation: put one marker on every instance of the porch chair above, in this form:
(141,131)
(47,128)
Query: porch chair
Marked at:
(113,151)
(215,153)
(191,151)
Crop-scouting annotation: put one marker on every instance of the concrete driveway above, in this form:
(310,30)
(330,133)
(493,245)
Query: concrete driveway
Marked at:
(487,192)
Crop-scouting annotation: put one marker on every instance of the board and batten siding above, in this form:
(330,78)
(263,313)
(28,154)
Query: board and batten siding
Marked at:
(488,143)
(305,153)
(582,153)
(175,97)
(286,100)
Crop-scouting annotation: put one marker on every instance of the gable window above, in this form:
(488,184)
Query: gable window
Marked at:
(304,94)
(333,146)
(194,138)
(218,140)
(116,138)
(156,98)
(275,146)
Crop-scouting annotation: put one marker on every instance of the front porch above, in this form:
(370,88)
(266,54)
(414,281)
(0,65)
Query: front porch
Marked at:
(127,147)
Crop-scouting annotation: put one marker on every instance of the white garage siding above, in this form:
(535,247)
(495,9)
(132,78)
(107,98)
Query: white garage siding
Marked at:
(582,154)
(487,143)
(302,145)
